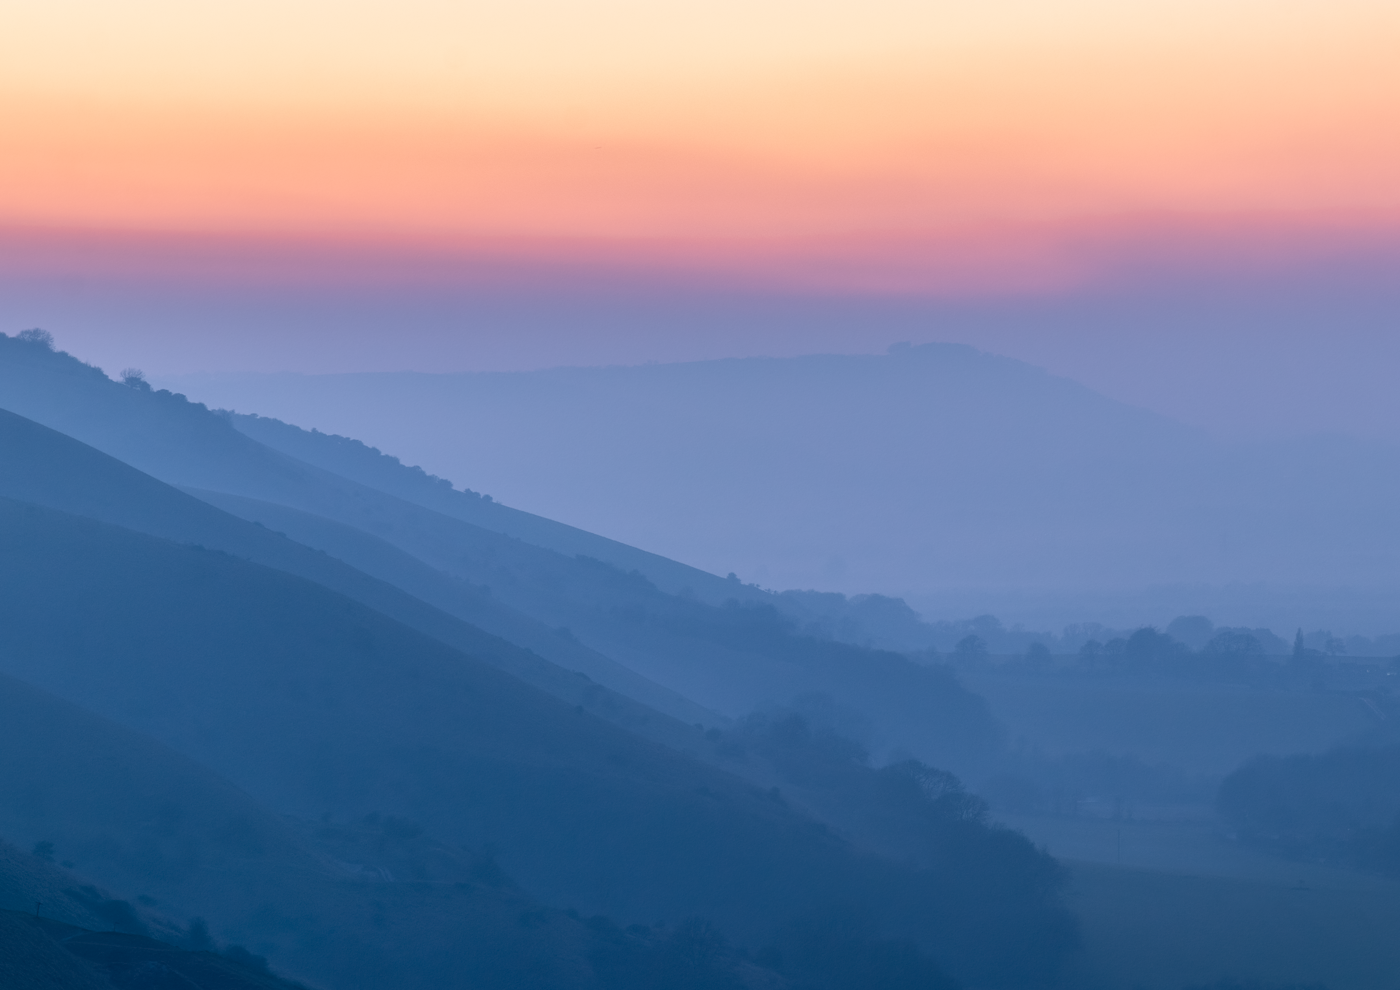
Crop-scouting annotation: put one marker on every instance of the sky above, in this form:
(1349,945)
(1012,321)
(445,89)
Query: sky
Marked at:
(1170,200)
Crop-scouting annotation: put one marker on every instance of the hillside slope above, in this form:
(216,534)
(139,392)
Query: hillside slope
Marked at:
(721,658)
(176,841)
(352,459)
(39,954)
(314,704)
(178,441)
(867,619)
(924,470)
(45,467)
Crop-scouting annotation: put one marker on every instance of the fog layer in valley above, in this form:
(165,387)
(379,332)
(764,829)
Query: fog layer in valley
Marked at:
(962,482)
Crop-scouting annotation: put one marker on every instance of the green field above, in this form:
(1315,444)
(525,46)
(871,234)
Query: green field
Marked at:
(1185,906)
(1155,929)
(1168,904)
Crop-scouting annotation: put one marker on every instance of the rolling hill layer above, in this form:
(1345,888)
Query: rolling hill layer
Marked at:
(315,705)
(926,472)
(727,658)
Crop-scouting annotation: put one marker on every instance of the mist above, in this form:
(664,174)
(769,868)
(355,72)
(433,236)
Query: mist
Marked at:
(960,481)
(921,669)
(699,496)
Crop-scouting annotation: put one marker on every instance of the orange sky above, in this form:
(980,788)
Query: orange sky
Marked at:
(883,145)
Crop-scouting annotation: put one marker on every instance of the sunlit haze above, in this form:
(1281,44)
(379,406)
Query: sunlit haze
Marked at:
(936,147)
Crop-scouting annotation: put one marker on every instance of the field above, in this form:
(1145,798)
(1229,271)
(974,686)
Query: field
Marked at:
(1200,727)
(1166,899)
(1174,905)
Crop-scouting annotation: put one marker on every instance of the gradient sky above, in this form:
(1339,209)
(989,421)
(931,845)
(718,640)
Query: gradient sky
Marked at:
(877,146)
(289,185)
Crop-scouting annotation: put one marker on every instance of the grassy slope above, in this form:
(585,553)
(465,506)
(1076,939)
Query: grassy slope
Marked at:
(368,466)
(863,620)
(183,443)
(377,557)
(125,805)
(920,711)
(45,467)
(39,954)
(28,882)
(725,660)
(314,703)
(138,818)
(31,959)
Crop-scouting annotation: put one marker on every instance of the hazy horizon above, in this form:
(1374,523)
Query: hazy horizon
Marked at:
(503,433)
(704,495)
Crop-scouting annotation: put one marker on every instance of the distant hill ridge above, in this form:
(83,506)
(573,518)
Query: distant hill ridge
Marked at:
(719,658)
(962,481)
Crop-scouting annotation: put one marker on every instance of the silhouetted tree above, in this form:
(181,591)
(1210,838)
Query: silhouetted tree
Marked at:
(41,338)
(970,649)
(1229,643)
(1038,656)
(135,378)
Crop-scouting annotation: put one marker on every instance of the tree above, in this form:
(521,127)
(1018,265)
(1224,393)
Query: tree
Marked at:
(970,649)
(1193,630)
(1038,655)
(1231,643)
(42,338)
(135,378)
(1148,645)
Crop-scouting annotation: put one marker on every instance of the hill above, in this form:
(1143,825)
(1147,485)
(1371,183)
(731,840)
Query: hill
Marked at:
(728,658)
(47,468)
(927,472)
(125,813)
(352,459)
(724,658)
(866,619)
(316,705)
(173,439)
(38,954)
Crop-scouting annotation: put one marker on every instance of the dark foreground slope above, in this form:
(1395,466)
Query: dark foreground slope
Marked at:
(727,659)
(315,704)
(39,954)
(123,813)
